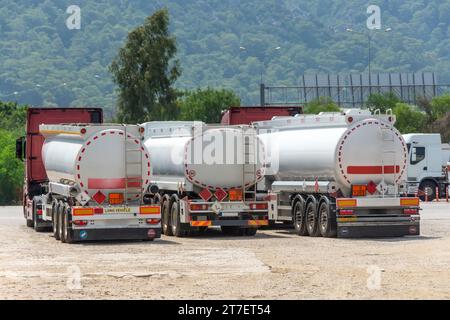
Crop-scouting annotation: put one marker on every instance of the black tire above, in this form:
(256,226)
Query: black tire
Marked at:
(327,221)
(157,199)
(312,220)
(166,223)
(55,210)
(67,225)
(232,231)
(428,187)
(299,216)
(61,221)
(250,232)
(202,230)
(30,223)
(176,226)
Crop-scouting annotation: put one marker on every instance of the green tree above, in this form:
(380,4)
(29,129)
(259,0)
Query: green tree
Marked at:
(382,101)
(322,104)
(207,104)
(145,72)
(12,115)
(442,126)
(440,106)
(409,118)
(439,121)
(11,170)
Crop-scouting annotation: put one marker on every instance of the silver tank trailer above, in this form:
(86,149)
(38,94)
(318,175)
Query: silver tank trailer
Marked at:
(347,149)
(93,158)
(203,155)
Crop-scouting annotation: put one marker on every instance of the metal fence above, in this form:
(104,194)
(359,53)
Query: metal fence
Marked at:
(352,90)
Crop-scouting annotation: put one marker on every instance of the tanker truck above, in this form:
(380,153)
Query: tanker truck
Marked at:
(97,176)
(429,165)
(338,174)
(205,176)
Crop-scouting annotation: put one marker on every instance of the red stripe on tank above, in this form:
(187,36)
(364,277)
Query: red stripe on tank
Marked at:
(111,183)
(372,169)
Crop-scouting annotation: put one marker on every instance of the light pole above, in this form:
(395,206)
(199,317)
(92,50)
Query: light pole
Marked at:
(263,67)
(369,38)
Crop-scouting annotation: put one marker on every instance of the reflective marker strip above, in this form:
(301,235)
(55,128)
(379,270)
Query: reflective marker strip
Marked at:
(409,201)
(150,210)
(346,203)
(77,133)
(258,222)
(201,223)
(349,219)
(83,211)
(372,169)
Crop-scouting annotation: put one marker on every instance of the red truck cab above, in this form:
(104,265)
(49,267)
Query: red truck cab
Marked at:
(249,114)
(29,148)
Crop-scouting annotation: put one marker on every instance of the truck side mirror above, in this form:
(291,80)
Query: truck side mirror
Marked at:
(19,148)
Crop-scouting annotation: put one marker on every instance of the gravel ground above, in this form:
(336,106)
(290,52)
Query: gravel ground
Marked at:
(275,264)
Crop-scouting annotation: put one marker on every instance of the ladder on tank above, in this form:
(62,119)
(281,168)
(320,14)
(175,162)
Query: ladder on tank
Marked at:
(133,169)
(388,157)
(249,164)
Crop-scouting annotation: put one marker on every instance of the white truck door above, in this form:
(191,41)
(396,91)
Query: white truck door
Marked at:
(418,165)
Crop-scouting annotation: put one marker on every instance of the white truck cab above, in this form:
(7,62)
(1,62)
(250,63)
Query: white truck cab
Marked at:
(428,163)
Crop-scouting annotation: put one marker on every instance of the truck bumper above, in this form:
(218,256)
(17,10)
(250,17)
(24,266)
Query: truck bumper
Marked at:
(116,234)
(359,227)
(230,223)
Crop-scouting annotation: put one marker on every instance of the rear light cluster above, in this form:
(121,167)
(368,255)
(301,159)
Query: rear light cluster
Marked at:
(198,207)
(153,221)
(410,211)
(346,211)
(258,206)
(80,222)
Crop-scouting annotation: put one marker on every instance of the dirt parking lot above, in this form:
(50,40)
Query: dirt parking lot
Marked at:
(275,264)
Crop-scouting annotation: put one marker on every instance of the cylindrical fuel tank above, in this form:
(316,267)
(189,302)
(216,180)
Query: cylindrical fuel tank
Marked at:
(368,150)
(211,158)
(105,158)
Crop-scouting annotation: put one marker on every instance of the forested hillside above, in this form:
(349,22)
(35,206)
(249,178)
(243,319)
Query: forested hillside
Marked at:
(42,62)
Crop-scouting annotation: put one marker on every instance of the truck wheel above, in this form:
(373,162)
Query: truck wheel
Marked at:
(312,220)
(30,223)
(55,209)
(300,218)
(202,230)
(157,199)
(250,232)
(60,220)
(166,225)
(176,227)
(428,187)
(67,221)
(327,221)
